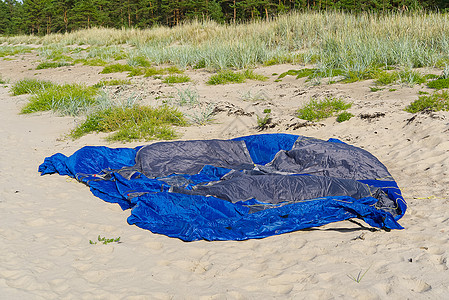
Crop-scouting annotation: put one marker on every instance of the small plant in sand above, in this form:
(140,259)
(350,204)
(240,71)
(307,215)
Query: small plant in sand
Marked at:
(435,102)
(344,116)
(265,120)
(187,96)
(254,96)
(29,86)
(204,116)
(170,79)
(359,276)
(67,99)
(375,89)
(132,123)
(317,110)
(112,82)
(50,65)
(229,76)
(105,240)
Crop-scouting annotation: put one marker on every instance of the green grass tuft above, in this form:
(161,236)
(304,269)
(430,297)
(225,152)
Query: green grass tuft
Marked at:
(138,61)
(67,99)
(133,123)
(298,73)
(439,84)
(249,74)
(116,68)
(229,76)
(385,78)
(29,86)
(225,77)
(409,77)
(176,79)
(49,65)
(111,82)
(435,102)
(317,110)
(90,62)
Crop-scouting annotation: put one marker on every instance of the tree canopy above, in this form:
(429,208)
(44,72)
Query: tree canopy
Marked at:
(51,16)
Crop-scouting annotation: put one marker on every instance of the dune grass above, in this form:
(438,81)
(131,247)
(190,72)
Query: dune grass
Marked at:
(354,43)
(111,82)
(50,65)
(117,68)
(229,76)
(133,123)
(29,86)
(67,99)
(316,110)
(170,79)
(9,50)
(434,102)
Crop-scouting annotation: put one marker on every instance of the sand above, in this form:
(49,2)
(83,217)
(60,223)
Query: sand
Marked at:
(46,222)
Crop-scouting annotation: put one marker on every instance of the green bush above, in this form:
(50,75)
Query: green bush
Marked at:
(344,116)
(435,102)
(317,110)
(439,84)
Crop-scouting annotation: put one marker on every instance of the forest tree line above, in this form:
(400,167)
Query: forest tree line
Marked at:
(59,16)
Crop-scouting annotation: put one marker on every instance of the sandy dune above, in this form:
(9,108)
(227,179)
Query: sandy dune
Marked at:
(46,222)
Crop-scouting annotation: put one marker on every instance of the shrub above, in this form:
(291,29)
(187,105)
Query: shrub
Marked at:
(434,102)
(344,116)
(439,84)
(317,110)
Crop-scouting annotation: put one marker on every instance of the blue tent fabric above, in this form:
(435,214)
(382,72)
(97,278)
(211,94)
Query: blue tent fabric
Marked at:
(249,187)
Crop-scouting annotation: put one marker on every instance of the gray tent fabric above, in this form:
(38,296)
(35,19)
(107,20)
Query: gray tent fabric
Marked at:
(321,158)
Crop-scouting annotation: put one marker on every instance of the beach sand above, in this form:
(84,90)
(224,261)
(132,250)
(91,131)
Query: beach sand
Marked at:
(46,222)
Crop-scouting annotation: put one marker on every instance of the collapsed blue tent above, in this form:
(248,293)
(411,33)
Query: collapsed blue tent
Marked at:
(248,187)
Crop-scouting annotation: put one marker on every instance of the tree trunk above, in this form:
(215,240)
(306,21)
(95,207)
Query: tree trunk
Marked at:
(65,19)
(235,12)
(49,25)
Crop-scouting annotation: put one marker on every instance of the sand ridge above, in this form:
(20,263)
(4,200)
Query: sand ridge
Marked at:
(47,222)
